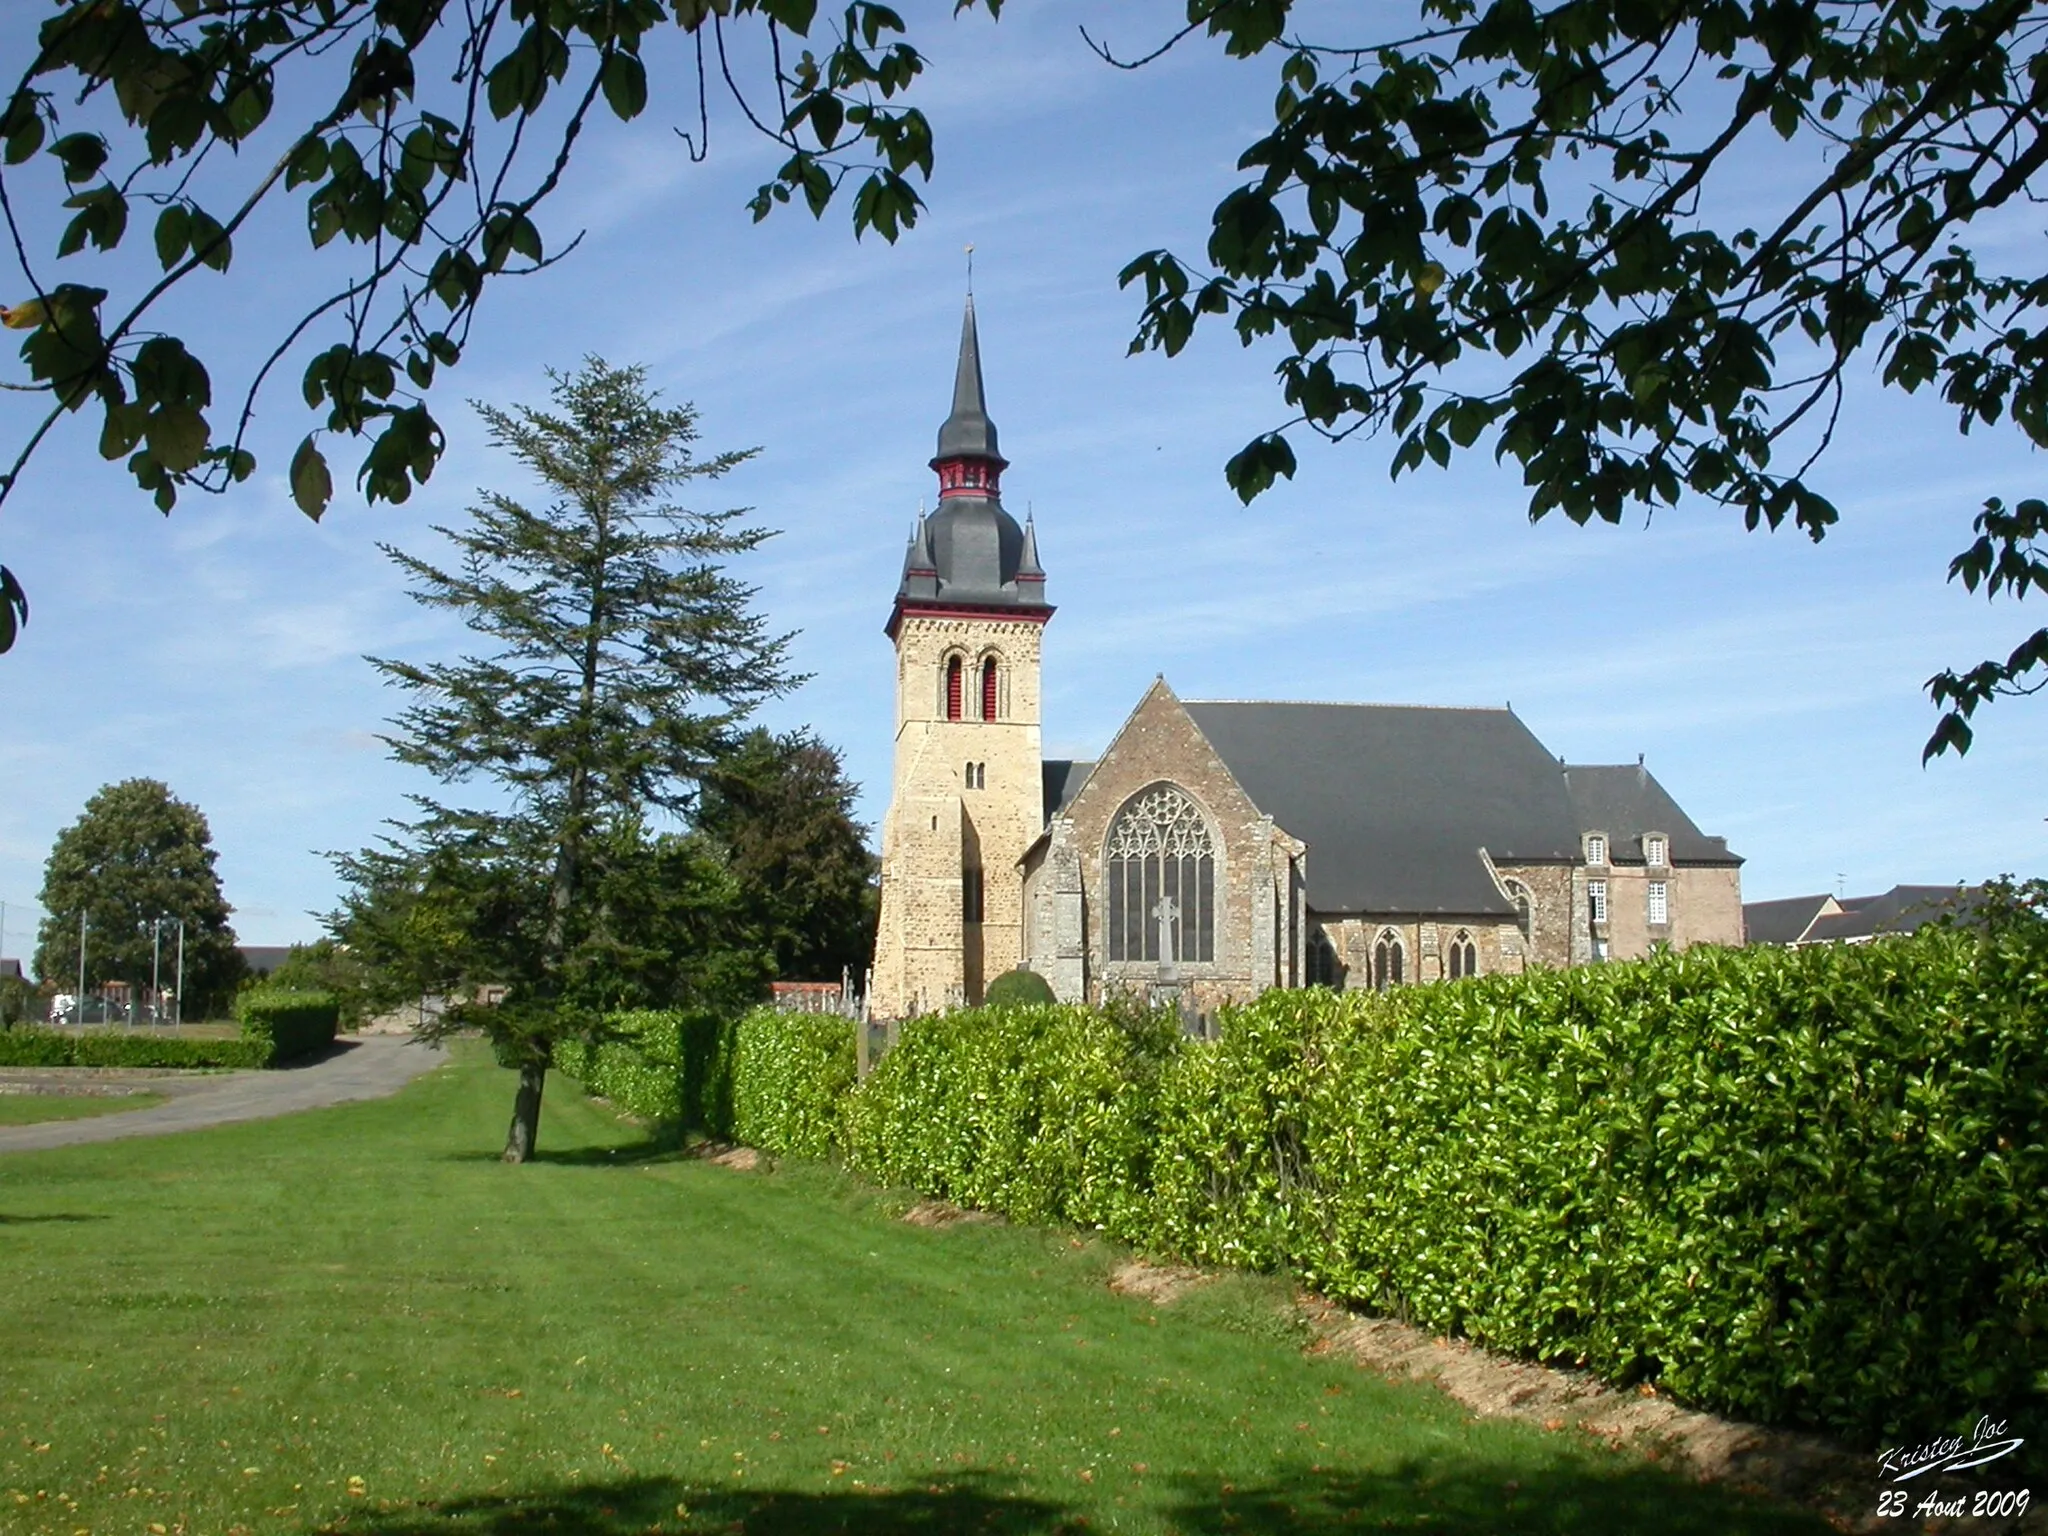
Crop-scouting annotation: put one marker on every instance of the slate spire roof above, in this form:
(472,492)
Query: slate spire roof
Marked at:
(970,553)
(968,433)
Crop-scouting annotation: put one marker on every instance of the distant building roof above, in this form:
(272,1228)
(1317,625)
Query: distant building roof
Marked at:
(11,968)
(1902,909)
(1395,801)
(262,959)
(1785,920)
(1625,802)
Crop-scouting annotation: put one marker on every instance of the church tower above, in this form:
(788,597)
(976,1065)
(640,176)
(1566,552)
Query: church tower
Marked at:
(967,796)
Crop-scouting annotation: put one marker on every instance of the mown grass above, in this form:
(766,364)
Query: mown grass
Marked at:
(35,1108)
(358,1320)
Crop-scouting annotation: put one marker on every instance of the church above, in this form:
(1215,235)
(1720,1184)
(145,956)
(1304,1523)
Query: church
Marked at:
(1218,848)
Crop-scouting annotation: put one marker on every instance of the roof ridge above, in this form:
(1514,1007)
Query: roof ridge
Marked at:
(1468,709)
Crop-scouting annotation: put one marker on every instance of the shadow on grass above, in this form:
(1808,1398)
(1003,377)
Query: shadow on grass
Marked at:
(653,1150)
(9,1221)
(1295,1501)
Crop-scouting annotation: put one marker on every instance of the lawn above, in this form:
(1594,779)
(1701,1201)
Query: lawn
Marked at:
(357,1319)
(34,1108)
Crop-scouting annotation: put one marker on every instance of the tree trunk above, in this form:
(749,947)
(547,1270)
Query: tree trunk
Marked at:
(519,1139)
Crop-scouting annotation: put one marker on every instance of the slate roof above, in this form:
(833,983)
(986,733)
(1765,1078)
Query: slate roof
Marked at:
(1783,921)
(1063,780)
(1395,801)
(970,553)
(1625,802)
(264,958)
(1902,909)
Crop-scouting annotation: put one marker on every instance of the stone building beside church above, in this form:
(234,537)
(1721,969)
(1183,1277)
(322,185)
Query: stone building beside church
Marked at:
(1221,848)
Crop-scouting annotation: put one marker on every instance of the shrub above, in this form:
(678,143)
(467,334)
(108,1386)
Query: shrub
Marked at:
(671,1066)
(34,1047)
(290,1023)
(789,1072)
(1018,988)
(1043,1113)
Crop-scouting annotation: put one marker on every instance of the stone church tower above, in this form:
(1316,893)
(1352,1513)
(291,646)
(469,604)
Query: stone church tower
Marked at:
(967,796)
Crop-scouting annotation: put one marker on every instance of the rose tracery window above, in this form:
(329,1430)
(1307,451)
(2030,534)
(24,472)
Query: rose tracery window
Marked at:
(1159,851)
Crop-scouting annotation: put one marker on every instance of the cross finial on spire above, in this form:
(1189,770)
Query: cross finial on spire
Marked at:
(970,271)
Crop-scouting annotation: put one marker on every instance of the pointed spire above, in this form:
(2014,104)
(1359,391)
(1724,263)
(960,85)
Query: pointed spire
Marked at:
(1028,568)
(968,433)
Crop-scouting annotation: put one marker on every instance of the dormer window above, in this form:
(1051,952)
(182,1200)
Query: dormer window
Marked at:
(1654,848)
(1596,847)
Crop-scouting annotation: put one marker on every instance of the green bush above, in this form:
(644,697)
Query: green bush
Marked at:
(35,1047)
(1042,1113)
(288,1022)
(789,1072)
(670,1066)
(1018,988)
(30,1046)
(1797,1186)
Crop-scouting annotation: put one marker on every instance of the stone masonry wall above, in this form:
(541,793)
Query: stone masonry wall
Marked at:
(1257,936)
(941,818)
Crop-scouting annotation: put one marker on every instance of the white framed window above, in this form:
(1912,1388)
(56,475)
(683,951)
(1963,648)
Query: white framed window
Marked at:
(1660,904)
(1596,899)
(1596,847)
(1654,849)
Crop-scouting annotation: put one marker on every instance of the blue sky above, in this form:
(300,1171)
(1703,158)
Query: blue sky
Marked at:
(1773,685)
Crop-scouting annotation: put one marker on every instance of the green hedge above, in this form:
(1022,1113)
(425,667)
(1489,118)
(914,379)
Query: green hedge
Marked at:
(1044,1114)
(789,1073)
(34,1047)
(287,1022)
(669,1066)
(1799,1186)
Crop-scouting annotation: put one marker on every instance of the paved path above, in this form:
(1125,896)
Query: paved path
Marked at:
(373,1067)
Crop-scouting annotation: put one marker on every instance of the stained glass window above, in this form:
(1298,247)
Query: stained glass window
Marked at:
(1159,850)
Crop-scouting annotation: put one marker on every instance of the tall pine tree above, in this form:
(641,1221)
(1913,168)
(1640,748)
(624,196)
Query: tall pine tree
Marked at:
(620,661)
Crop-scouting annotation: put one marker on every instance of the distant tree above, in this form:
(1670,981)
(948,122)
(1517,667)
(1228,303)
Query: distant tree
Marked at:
(137,854)
(782,809)
(620,661)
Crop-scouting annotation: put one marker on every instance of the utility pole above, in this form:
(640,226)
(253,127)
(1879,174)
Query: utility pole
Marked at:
(80,1003)
(178,1002)
(156,956)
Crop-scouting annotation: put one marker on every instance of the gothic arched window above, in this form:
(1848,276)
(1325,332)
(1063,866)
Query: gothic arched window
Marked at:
(988,689)
(1160,869)
(953,679)
(1324,969)
(1386,961)
(1464,956)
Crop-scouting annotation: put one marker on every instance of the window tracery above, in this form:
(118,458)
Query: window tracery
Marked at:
(1159,867)
(1386,961)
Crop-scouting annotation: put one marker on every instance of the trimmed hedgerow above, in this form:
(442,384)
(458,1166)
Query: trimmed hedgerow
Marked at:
(287,1022)
(666,1065)
(55,1048)
(1042,1113)
(789,1073)
(1797,1186)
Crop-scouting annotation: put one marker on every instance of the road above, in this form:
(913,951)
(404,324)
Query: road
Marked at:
(371,1067)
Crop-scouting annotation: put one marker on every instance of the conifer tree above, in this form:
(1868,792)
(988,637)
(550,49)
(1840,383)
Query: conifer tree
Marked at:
(619,661)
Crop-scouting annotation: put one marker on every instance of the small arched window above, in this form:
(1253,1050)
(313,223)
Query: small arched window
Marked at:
(1386,961)
(988,689)
(954,672)
(1463,959)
